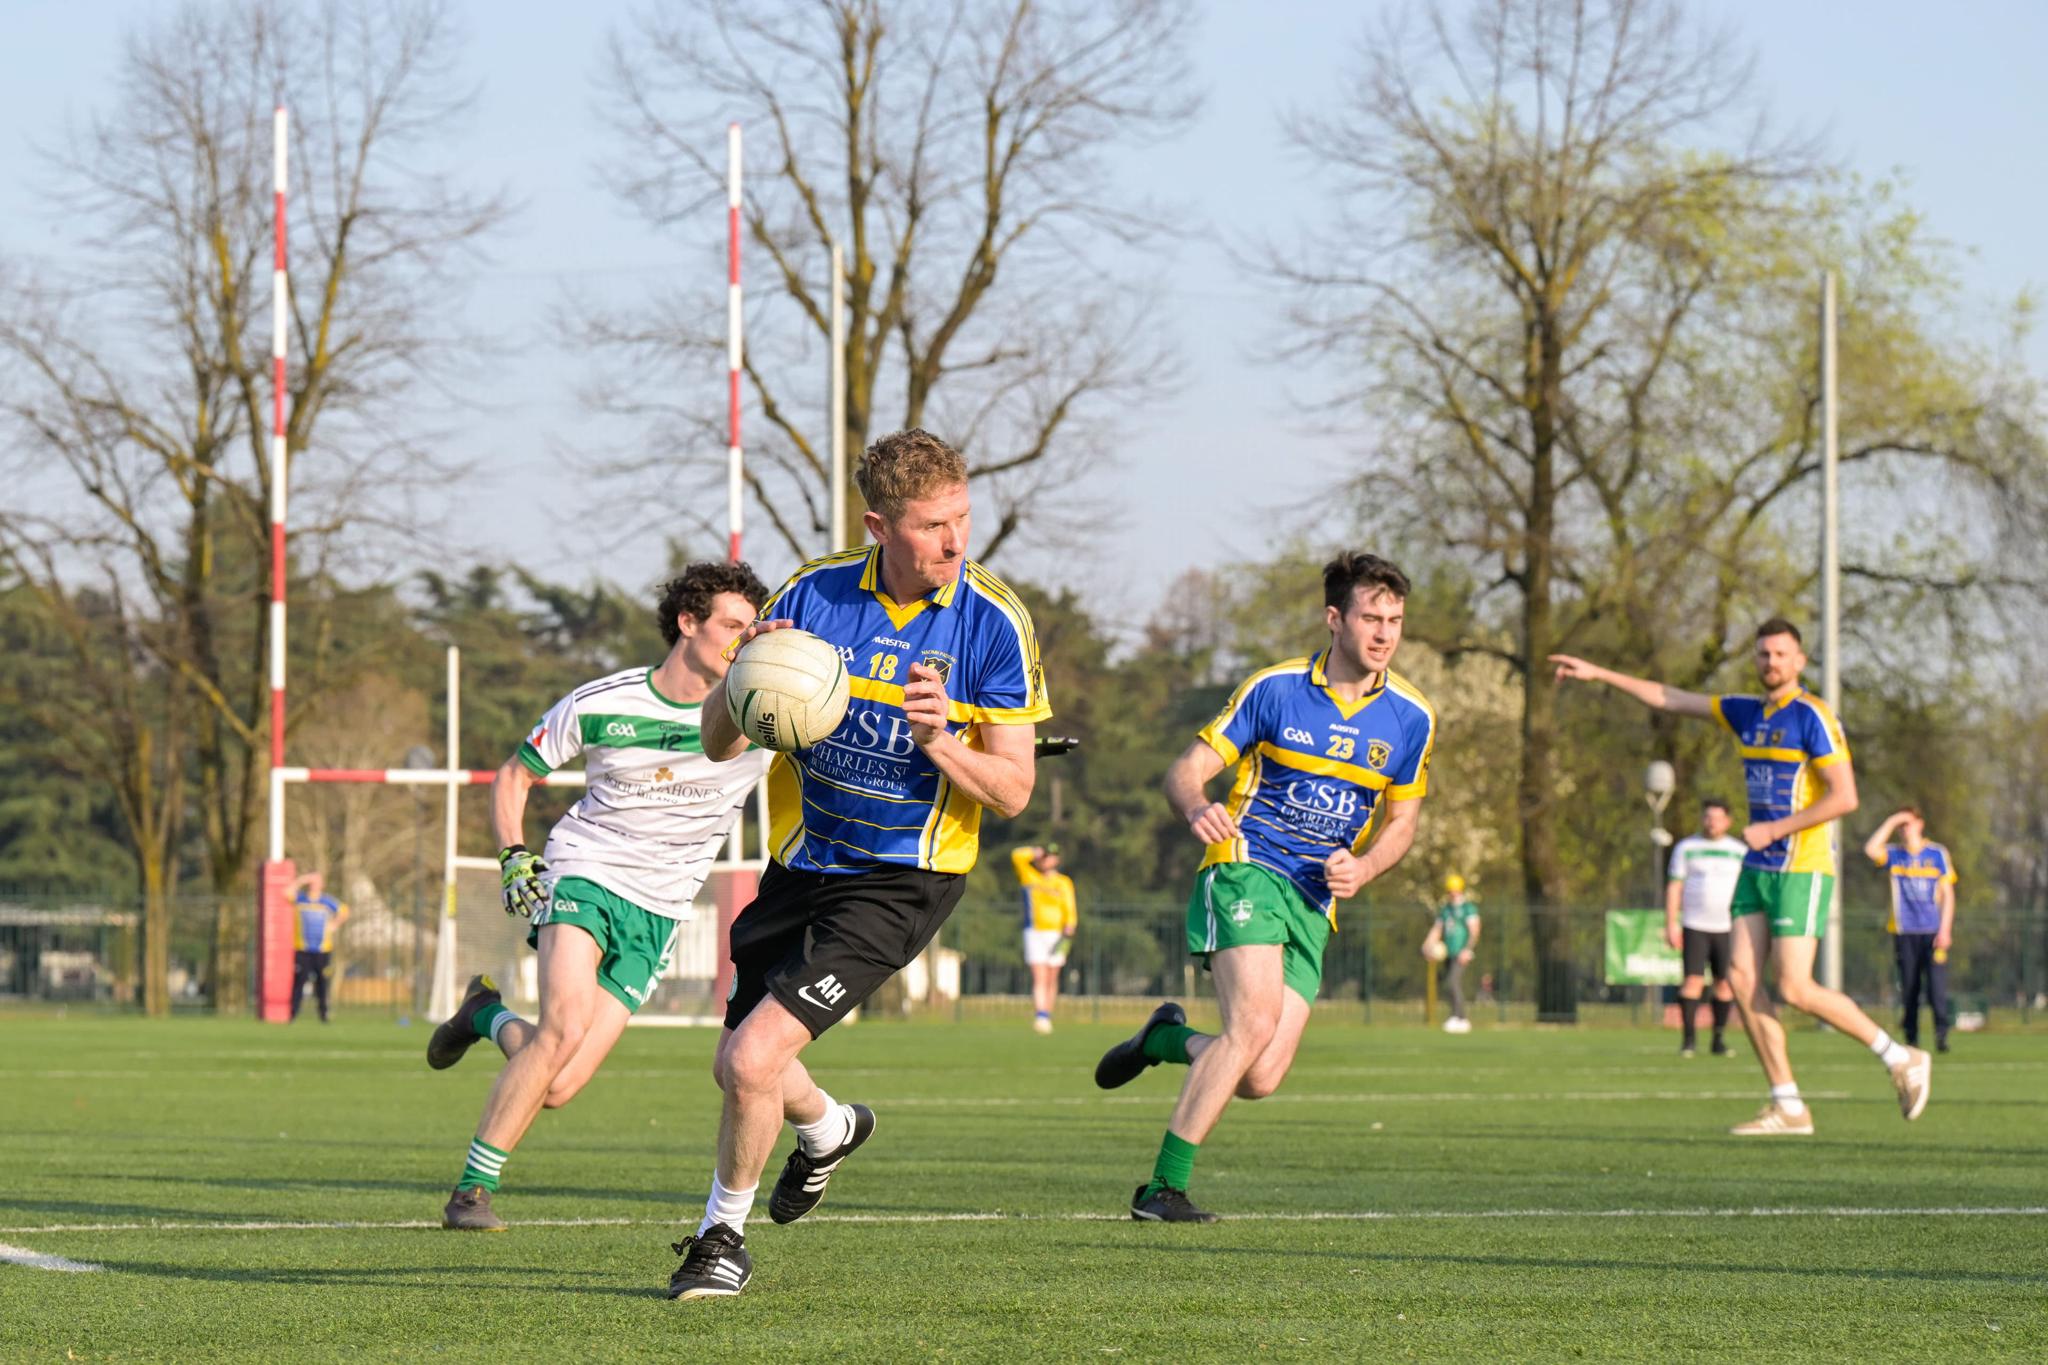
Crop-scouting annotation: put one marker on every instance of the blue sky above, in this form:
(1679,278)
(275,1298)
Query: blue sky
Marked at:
(1944,95)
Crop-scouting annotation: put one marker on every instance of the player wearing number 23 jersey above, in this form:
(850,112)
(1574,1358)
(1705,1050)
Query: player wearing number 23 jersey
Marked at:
(1313,770)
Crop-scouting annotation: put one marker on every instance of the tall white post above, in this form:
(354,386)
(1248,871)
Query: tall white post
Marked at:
(735,347)
(837,445)
(1831,598)
(444,997)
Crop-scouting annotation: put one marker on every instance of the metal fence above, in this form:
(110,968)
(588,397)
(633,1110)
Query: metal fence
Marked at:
(1124,958)
(1126,955)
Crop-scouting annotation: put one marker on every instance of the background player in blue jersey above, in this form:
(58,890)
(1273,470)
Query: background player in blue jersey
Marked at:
(1795,760)
(874,827)
(1332,758)
(315,917)
(1923,879)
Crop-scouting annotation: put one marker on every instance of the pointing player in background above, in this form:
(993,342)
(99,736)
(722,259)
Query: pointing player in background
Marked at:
(1800,778)
(1050,918)
(876,826)
(621,867)
(1923,878)
(1701,887)
(1332,758)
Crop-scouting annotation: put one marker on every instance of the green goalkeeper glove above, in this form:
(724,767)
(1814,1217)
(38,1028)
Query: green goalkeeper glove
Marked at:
(1063,947)
(519,881)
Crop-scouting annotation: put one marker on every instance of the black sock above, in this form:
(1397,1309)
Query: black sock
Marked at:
(1720,1017)
(1688,1006)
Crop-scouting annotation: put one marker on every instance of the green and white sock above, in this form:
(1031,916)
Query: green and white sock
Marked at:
(1786,1097)
(486,1163)
(488,1020)
(1889,1051)
(1176,1163)
(1168,1043)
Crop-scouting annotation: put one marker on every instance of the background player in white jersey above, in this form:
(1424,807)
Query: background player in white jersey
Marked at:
(1704,869)
(620,871)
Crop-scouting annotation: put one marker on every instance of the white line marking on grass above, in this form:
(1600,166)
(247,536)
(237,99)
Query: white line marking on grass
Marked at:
(1344,1097)
(998,1216)
(36,1260)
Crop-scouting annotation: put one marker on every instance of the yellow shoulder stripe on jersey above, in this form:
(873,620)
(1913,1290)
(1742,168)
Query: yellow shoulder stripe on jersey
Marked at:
(818,565)
(1212,733)
(1323,767)
(1829,760)
(992,588)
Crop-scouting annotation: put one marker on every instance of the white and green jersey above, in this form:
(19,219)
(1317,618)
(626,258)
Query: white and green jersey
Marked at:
(1708,867)
(656,809)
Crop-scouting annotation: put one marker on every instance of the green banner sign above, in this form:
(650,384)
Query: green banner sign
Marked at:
(1637,954)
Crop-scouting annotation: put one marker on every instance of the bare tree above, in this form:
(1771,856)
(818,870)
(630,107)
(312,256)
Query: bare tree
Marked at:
(1572,279)
(960,151)
(139,383)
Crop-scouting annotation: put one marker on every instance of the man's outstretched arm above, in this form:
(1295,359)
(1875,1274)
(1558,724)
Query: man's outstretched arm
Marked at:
(1655,695)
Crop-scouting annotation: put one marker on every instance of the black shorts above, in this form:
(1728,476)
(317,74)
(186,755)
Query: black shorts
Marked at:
(1704,948)
(822,943)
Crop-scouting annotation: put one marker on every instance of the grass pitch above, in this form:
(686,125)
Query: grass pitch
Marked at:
(247,1192)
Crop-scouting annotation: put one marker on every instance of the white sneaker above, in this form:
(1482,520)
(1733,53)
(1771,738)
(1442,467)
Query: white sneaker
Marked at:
(1914,1080)
(1041,1024)
(1771,1121)
(1456,1025)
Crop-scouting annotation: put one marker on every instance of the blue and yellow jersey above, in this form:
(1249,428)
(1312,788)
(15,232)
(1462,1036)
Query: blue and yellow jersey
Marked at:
(1916,908)
(1048,896)
(868,796)
(1313,769)
(1783,748)
(313,925)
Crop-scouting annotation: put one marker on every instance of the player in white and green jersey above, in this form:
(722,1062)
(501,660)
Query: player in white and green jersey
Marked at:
(619,872)
(1704,870)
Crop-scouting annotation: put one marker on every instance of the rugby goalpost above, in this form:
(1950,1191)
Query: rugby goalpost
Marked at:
(702,951)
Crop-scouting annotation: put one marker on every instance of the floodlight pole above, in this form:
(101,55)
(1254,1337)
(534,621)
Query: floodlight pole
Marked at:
(1831,602)
(837,387)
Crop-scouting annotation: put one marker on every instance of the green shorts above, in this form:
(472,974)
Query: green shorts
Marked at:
(637,944)
(1796,902)
(1236,904)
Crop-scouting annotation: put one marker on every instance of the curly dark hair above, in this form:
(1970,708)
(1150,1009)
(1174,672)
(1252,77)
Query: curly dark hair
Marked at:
(1353,569)
(690,592)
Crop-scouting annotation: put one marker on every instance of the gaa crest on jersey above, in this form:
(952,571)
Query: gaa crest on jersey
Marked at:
(1378,753)
(939,662)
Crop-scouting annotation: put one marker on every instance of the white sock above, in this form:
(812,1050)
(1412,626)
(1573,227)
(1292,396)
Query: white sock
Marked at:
(828,1132)
(1889,1052)
(1786,1097)
(498,1024)
(729,1207)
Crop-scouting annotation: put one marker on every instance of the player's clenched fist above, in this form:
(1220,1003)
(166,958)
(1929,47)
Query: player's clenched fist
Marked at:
(1345,873)
(1212,824)
(925,703)
(519,885)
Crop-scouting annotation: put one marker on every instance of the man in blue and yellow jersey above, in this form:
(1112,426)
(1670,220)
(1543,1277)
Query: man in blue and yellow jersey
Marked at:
(1923,878)
(1332,756)
(875,826)
(315,917)
(1050,918)
(1800,780)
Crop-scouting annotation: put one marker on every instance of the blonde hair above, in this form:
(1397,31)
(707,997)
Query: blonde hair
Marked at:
(906,465)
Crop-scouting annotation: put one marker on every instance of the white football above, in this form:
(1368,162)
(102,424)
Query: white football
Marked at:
(786,690)
(1435,950)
